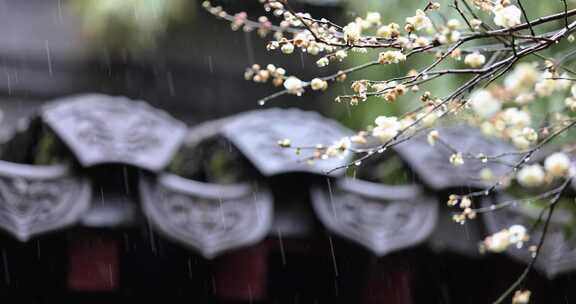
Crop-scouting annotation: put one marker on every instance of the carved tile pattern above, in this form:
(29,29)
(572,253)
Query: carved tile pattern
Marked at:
(30,207)
(558,254)
(104,129)
(432,163)
(256,134)
(208,225)
(380,225)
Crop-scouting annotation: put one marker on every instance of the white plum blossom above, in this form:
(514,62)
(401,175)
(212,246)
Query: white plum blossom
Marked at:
(465,202)
(521,78)
(519,140)
(557,164)
(501,240)
(531,176)
(301,39)
(387,121)
(518,234)
(432,137)
(388,31)
(313,48)
(487,128)
(322,62)
(456,159)
(523,138)
(570,102)
(453,24)
(388,57)
(507,16)
(287,48)
(498,242)
(293,85)
(530,134)
(485,104)
(421,42)
(419,21)
(517,118)
(318,84)
(339,148)
(474,60)
(386,128)
(521,297)
(285,143)
(524,98)
(341,54)
(352,32)
(475,23)
(546,86)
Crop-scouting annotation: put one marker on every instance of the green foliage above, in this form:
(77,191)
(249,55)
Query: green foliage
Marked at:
(214,161)
(390,170)
(364,114)
(133,25)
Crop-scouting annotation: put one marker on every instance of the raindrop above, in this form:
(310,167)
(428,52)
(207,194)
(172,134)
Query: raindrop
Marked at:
(357,163)
(170,82)
(282,253)
(333,256)
(330,192)
(210,65)
(381,150)
(261,102)
(48,56)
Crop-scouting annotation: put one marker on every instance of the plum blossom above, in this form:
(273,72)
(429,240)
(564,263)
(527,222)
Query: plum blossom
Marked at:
(531,176)
(475,60)
(516,118)
(501,240)
(352,32)
(507,16)
(557,164)
(386,128)
(318,84)
(485,104)
(293,85)
(419,21)
(522,78)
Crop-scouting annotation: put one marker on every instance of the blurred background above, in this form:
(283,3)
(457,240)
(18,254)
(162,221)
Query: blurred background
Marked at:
(177,57)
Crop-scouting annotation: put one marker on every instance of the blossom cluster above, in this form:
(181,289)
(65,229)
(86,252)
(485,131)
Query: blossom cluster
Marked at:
(493,50)
(557,165)
(464,203)
(503,110)
(500,241)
